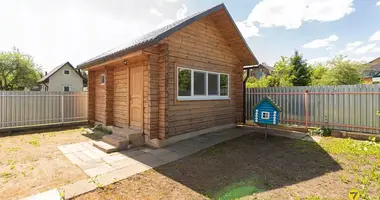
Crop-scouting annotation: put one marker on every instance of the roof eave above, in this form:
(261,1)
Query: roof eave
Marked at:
(117,54)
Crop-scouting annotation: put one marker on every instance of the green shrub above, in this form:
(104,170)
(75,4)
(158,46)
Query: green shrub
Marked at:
(323,131)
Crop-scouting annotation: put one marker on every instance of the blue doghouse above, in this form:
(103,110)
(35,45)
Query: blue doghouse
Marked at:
(266,112)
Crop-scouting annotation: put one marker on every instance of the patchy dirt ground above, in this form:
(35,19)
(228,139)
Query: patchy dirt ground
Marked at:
(253,168)
(31,163)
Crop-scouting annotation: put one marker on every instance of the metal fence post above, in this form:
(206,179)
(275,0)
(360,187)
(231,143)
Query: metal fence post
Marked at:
(306,109)
(62,110)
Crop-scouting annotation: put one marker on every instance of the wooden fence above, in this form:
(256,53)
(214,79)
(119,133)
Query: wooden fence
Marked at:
(347,107)
(19,108)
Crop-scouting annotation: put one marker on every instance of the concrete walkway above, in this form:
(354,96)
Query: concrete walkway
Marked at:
(104,169)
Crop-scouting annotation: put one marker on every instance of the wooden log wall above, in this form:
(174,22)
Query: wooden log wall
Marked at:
(201,46)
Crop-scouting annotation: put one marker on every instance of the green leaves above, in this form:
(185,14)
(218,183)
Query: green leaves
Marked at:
(337,71)
(17,71)
(301,71)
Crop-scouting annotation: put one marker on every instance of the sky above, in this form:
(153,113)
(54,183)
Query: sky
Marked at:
(54,32)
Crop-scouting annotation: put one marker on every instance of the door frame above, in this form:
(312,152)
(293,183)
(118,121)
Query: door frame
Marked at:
(130,95)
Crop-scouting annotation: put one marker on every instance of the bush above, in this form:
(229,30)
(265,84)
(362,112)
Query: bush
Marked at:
(323,131)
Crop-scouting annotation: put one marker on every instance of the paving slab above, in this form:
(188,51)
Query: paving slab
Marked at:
(132,152)
(87,145)
(98,152)
(101,169)
(50,195)
(149,160)
(120,174)
(76,147)
(160,152)
(170,157)
(92,154)
(73,158)
(77,188)
(123,163)
(174,147)
(81,155)
(64,149)
(90,164)
(112,158)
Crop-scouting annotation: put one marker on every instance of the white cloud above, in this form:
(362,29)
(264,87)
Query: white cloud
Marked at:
(318,60)
(353,45)
(321,42)
(375,36)
(329,48)
(154,11)
(71,30)
(378,3)
(365,49)
(375,50)
(292,13)
(364,59)
(247,29)
(181,13)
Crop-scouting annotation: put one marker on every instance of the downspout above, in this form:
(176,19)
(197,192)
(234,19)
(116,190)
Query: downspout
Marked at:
(244,94)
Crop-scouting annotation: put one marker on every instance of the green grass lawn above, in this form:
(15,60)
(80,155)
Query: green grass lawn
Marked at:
(360,161)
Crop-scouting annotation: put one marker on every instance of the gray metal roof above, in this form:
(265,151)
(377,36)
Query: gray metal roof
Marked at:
(154,37)
(372,71)
(56,69)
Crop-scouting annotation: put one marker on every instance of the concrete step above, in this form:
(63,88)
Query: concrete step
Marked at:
(105,147)
(126,132)
(121,143)
(122,139)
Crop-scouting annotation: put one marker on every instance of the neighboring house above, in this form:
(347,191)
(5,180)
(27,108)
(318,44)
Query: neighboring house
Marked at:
(63,78)
(372,74)
(260,70)
(184,78)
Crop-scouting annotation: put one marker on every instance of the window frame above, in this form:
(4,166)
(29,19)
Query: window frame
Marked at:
(100,79)
(265,112)
(206,96)
(63,88)
(66,70)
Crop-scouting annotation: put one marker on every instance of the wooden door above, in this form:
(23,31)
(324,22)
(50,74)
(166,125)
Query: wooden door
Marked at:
(136,93)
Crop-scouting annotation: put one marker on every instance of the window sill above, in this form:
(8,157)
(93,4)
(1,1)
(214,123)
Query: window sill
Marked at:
(200,98)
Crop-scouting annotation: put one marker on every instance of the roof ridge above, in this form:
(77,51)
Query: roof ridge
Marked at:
(151,37)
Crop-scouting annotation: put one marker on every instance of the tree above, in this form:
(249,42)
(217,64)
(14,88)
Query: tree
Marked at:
(282,75)
(337,71)
(17,70)
(317,73)
(301,71)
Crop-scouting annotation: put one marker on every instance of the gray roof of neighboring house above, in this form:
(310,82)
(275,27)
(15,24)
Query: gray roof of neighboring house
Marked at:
(154,37)
(373,70)
(259,65)
(43,79)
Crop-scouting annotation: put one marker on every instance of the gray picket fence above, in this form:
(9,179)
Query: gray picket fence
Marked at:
(19,108)
(346,107)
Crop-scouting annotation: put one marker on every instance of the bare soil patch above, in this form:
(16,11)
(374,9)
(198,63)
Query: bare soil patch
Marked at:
(253,168)
(31,162)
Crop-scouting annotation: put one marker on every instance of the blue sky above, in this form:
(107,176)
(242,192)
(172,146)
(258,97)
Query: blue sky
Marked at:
(54,32)
(274,42)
